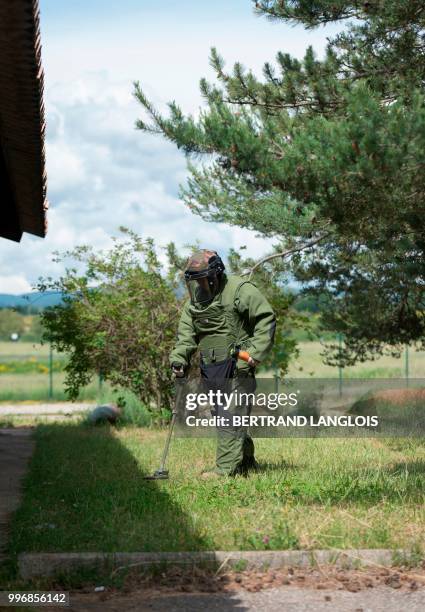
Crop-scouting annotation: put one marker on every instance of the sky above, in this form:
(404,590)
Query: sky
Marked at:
(102,172)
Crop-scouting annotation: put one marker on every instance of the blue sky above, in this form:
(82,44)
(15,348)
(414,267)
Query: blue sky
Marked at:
(103,173)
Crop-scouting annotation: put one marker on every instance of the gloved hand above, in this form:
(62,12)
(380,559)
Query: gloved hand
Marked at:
(177,369)
(252,362)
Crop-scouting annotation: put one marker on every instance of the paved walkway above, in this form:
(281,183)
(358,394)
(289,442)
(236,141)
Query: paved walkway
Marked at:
(16,448)
(282,599)
(48,408)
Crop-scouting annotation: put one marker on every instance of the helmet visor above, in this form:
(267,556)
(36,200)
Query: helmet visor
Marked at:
(203,288)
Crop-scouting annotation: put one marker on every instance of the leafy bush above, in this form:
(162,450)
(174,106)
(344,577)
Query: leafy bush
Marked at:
(118,319)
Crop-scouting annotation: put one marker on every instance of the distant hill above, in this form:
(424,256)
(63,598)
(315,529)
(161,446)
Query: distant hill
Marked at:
(34,300)
(39,301)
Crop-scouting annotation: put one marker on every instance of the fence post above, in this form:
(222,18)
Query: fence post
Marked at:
(339,366)
(276,379)
(406,364)
(50,371)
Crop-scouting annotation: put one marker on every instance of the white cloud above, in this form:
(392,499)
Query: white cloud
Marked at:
(14,283)
(65,166)
(102,173)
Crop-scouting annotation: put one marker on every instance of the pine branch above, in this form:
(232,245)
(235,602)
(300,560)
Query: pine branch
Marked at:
(283,254)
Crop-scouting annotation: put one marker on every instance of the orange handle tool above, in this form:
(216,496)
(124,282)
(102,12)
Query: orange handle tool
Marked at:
(244,355)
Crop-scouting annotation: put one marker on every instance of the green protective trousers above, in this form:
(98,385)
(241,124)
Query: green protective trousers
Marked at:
(235,447)
(235,453)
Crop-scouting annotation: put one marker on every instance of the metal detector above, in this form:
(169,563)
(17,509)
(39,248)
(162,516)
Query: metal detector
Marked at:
(161,473)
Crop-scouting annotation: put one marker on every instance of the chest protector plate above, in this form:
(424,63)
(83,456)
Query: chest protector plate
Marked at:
(219,325)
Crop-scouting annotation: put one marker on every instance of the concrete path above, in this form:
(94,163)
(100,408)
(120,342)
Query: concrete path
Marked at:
(16,448)
(293,599)
(282,599)
(48,408)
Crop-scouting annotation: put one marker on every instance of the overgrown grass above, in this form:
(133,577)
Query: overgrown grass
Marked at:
(85,491)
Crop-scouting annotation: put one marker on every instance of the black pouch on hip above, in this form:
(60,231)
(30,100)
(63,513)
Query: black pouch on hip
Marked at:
(218,370)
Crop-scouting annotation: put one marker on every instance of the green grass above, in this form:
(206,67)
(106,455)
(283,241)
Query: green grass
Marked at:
(310,363)
(85,492)
(30,366)
(24,375)
(16,349)
(35,387)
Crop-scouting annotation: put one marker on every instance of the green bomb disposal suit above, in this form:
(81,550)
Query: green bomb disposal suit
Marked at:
(239,317)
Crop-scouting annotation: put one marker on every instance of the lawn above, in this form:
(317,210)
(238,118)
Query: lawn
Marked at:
(35,387)
(85,492)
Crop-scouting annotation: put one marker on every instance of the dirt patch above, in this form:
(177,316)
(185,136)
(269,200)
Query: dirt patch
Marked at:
(399,396)
(392,397)
(325,577)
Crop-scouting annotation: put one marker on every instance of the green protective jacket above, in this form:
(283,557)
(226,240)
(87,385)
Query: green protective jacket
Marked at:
(239,316)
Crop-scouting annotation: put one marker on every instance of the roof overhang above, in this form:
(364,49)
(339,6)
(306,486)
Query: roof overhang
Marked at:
(22,126)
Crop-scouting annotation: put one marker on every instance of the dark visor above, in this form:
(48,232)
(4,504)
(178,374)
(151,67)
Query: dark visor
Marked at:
(202,286)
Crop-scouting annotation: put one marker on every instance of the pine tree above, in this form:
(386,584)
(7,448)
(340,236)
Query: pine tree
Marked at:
(326,156)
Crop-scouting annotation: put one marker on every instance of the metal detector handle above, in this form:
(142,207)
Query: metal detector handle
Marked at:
(180,386)
(244,355)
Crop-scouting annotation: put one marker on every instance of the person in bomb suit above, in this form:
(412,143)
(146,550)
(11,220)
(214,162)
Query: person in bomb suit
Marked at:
(225,316)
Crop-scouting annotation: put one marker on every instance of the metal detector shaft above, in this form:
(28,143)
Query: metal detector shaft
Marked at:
(162,473)
(167,443)
(170,430)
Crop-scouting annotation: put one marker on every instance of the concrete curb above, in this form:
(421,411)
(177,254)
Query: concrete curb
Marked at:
(47,564)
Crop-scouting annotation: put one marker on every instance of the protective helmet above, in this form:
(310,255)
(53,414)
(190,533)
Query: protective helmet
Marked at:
(203,273)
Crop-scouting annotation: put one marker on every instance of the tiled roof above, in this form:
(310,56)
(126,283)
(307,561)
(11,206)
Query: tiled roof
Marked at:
(22,127)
